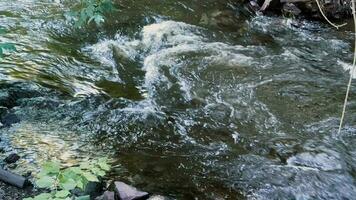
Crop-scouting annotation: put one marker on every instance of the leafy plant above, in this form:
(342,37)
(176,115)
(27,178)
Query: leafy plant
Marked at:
(91,11)
(5,46)
(62,181)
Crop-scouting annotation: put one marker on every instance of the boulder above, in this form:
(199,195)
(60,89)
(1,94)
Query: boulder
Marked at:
(127,192)
(12,158)
(106,196)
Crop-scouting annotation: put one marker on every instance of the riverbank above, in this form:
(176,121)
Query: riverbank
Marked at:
(311,9)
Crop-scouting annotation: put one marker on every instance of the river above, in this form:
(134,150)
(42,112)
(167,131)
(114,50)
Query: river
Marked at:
(190,99)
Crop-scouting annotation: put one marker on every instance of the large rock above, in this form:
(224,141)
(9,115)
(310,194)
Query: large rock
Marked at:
(12,158)
(106,196)
(127,192)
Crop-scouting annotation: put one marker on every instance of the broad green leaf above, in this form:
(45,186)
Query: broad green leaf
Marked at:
(68,184)
(104,166)
(29,198)
(45,182)
(80,184)
(85,165)
(43,196)
(98,19)
(51,167)
(87,197)
(90,177)
(76,170)
(2,30)
(8,46)
(97,171)
(62,194)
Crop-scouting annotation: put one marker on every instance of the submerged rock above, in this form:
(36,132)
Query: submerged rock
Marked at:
(12,158)
(9,119)
(127,192)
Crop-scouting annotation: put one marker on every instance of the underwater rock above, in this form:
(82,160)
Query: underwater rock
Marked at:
(9,119)
(220,18)
(12,158)
(127,192)
(322,161)
(3,111)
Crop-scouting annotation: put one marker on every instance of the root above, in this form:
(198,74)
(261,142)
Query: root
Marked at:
(352,71)
(323,14)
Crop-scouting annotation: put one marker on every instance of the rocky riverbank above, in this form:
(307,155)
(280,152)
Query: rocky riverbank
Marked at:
(333,9)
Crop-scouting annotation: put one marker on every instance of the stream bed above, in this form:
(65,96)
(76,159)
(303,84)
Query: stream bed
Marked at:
(190,99)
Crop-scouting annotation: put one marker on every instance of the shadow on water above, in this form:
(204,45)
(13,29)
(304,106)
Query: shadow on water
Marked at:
(190,99)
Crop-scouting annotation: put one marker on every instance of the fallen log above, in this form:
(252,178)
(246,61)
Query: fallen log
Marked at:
(12,179)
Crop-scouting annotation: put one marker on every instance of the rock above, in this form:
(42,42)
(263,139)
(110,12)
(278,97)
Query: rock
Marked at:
(158,197)
(323,161)
(12,158)
(94,188)
(106,196)
(127,192)
(290,9)
(9,119)
(3,111)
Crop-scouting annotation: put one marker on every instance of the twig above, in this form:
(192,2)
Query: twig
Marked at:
(352,71)
(323,14)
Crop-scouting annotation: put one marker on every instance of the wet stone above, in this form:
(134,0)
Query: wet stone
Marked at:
(158,197)
(12,158)
(3,111)
(106,196)
(291,9)
(320,161)
(127,192)
(9,119)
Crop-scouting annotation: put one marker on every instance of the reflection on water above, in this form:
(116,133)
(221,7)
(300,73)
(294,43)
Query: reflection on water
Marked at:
(189,99)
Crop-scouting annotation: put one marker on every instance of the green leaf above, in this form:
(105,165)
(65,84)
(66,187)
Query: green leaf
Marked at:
(104,166)
(76,170)
(62,194)
(51,167)
(80,184)
(98,19)
(43,196)
(2,30)
(85,165)
(8,46)
(98,171)
(45,182)
(90,177)
(87,197)
(29,198)
(68,184)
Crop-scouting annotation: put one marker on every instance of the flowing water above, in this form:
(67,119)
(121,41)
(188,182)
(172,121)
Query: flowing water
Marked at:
(190,99)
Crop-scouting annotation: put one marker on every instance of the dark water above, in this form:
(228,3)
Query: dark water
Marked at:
(191,99)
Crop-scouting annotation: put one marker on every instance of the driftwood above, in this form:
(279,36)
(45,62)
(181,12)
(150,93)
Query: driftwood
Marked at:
(12,179)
